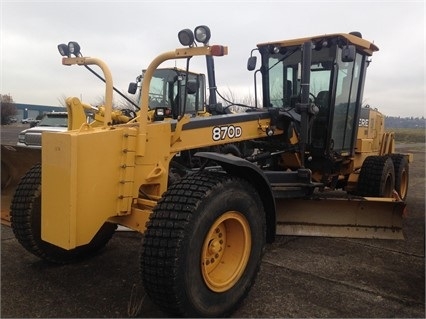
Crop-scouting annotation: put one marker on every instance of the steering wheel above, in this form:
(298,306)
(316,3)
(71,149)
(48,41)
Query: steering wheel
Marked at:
(314,98)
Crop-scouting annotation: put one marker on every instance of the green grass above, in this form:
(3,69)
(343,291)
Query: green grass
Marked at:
(409,135)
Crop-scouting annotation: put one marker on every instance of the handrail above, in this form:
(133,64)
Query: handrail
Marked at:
(180,53)
(108,81)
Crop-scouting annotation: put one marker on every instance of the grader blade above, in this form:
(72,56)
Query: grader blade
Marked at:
(15,162)
(364,217)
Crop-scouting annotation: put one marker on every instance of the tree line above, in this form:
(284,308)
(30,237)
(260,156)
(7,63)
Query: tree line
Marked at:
(405,122)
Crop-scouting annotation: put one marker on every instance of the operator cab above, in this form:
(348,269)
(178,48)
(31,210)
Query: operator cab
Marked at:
(174,90)
(337,72)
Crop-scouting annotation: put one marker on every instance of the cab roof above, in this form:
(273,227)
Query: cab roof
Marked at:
(362,44)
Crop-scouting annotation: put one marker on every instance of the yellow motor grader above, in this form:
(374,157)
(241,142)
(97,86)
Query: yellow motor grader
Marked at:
(308,161)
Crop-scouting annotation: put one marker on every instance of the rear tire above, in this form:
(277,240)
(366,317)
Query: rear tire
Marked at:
(377,177)
(401,166)
(203,245)
(26,224)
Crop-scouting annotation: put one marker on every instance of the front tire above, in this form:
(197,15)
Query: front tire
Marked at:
(26,224)
(203,245)
(377,177)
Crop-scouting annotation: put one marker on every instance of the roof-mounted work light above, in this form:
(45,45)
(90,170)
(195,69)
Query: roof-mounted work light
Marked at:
(186,37)
(74,48)
(202,34)
(71,48)
(63,49)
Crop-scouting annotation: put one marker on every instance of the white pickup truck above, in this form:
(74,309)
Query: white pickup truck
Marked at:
(52,122)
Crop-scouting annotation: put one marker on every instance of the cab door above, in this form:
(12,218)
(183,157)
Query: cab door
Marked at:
(346,105)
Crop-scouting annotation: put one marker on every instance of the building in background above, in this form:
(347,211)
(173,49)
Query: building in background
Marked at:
(33,111)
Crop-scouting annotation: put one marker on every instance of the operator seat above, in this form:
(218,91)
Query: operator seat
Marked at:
(322,101)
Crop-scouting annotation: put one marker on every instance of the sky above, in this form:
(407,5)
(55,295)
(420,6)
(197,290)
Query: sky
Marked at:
(128,35)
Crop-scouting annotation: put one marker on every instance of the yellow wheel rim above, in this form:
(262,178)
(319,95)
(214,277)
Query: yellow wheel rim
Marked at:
(226,251)
(404,184)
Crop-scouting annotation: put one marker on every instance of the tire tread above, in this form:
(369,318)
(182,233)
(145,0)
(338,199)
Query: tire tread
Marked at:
(165,234)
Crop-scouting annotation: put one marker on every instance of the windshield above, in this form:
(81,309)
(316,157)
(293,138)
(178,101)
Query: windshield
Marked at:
(162,88)
(285,75)
(168,88)
(58,120)
(178,90)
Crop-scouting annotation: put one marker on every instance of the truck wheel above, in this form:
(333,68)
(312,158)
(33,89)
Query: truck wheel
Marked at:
(203,245)
(26,224)
(400,164)
(376,178)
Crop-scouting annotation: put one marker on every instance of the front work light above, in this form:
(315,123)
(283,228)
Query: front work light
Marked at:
(160,113)
(71,48)
(74,48)
(186,37)
(202,34)
(63,49)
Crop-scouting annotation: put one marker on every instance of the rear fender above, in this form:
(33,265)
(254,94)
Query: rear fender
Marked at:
(242,168)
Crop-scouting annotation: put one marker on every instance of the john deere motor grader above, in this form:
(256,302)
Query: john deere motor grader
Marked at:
(320,165)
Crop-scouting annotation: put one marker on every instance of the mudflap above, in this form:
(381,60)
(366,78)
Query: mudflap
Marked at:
(354,217)
(15,163)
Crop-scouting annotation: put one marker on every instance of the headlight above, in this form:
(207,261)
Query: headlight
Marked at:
(186,37)
(202,34)
(74,48)
(71,48)
(21,138)
(159,113)
(63,49)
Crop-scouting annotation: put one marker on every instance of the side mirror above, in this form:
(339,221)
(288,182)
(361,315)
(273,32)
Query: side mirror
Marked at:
(348,53)
(133,87)
(251,63)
